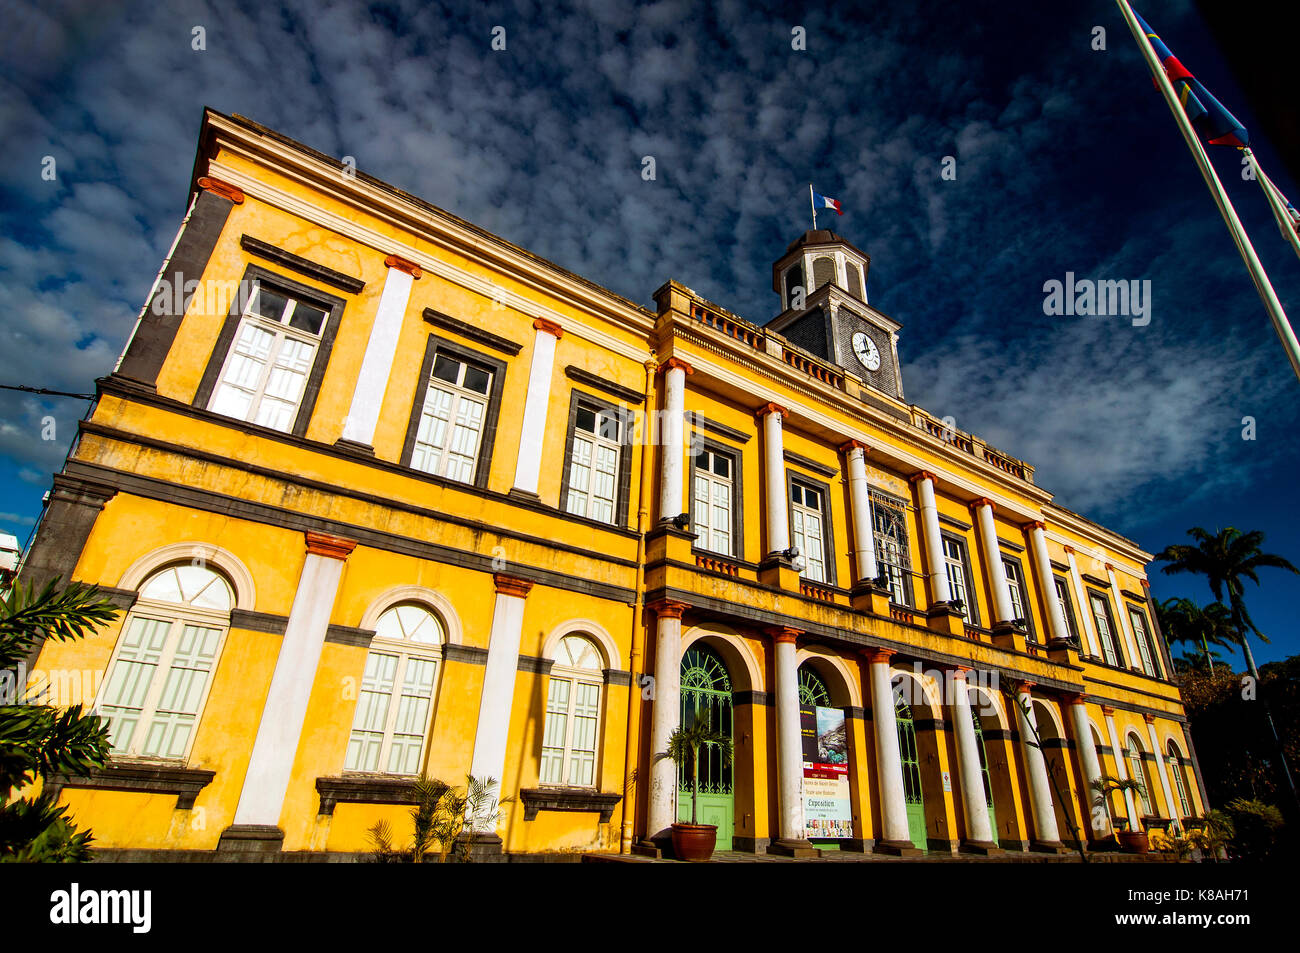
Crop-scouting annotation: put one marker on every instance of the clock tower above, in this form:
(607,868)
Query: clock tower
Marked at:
(822,281)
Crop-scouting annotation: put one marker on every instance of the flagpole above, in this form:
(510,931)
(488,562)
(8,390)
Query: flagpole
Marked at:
(1274,307)
(812,205)
(1284,220)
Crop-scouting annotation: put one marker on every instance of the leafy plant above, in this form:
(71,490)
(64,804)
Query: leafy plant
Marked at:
(1106,785)
(1256,828)
(39,740)
(441,814)
(684,749)
(1211,834)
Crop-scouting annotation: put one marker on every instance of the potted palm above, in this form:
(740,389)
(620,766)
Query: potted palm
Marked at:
(695,841)
(1133,842)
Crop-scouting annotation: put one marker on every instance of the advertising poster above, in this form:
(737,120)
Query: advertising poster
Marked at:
(827,809)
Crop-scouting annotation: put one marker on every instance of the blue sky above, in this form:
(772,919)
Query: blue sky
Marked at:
(1067,160)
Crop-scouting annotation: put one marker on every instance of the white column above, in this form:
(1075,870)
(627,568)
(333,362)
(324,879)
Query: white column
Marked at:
(497,698)
(889,767)
(377,364)
(1056,623)
(864,539)
(978,827)
(789,737)
(1125,624)
(940,591)
(993,557)
(1087,755)
(671,437)
(662,807)
(1040,791)
(276,744)
(1121,768)
(1085,606)
(778,519)
(532,431)
(1171,811)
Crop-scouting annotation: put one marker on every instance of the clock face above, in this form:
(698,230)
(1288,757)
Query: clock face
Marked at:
(865,350)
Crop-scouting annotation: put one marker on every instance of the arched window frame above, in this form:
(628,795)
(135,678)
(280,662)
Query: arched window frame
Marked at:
(406,651)
(574,701)
(178,617)
(1138,769)
(1175,760)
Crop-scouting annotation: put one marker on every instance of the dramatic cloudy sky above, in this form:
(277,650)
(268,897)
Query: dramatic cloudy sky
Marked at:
(1067,160)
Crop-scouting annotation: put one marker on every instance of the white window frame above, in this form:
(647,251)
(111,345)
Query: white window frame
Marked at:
(707,526)
(1062,590)
(460,396)
(177,616)
(894,555)
(1142,636)
(1175,761)
(806,542)
(1105,625)
(1017,589)
(574,678)
(957,569)
(597,442)
(282,331)
(405,650)
(1137,768)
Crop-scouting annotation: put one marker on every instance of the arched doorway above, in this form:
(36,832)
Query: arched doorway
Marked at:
(984,772)
(912,792)
(706,688)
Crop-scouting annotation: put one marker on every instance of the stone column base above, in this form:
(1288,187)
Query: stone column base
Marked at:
(1048,847)
(985,848)
(778,571)
(1008,636)
(868,597)
(787,847)
(897,848)
(251,839)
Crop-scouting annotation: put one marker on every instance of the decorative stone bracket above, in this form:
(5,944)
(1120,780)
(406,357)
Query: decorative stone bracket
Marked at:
(364,790)
(185,783)
(562,799)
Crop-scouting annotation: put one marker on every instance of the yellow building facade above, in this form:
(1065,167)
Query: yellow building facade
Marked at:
(380,493)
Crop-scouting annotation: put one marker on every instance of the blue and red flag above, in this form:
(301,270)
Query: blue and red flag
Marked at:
(1213,123)
(821,201)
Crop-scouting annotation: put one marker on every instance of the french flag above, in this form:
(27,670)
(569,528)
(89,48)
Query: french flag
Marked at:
(821,201)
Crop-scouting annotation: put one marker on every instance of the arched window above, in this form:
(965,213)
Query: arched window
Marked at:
(855,279)
(812,690)
(395,704)
(1138,769)
(823,271)
(1180,781)
(572,714)
(161,669)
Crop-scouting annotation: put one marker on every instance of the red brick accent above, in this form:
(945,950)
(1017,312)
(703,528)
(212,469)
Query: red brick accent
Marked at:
(224,189)
(335,547)
(403,264)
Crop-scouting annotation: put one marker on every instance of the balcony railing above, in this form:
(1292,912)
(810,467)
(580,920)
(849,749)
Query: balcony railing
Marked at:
(814,591)
(714,564)
(832,376)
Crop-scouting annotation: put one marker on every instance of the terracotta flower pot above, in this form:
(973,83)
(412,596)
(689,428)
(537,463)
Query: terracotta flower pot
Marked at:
(1134,842)
(694,841)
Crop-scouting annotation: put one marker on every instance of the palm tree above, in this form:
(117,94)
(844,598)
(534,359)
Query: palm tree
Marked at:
(1226,558)
(684,746)
(1182,620)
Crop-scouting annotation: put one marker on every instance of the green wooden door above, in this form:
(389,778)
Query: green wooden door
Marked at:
(984,772)
(911,774)
(706,687)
